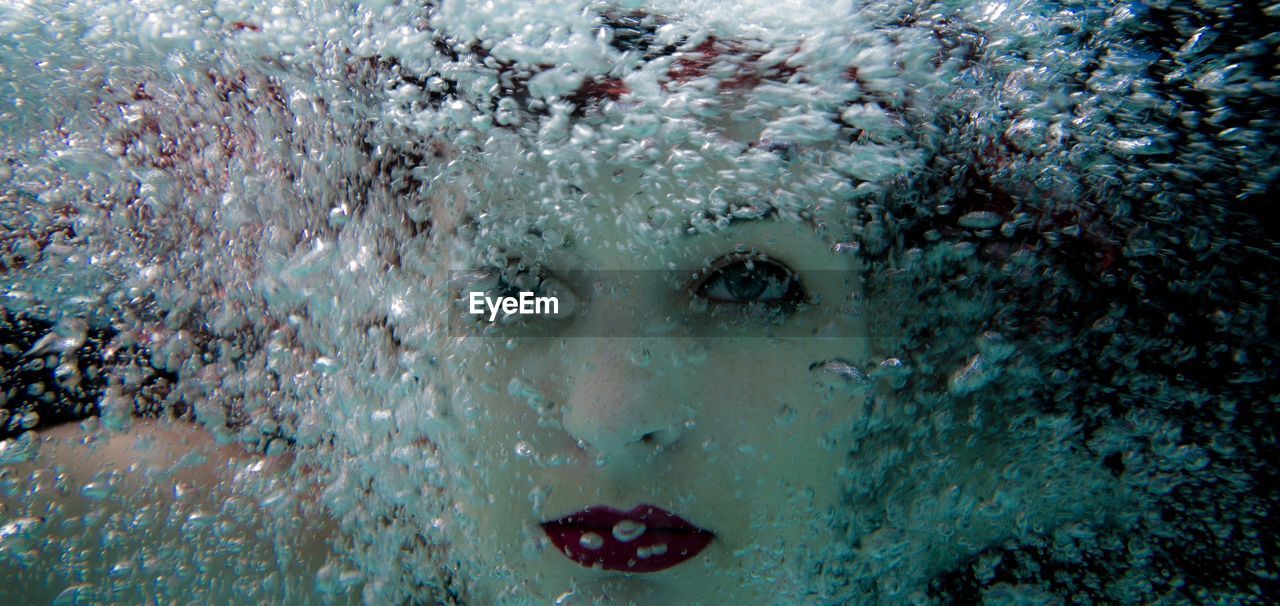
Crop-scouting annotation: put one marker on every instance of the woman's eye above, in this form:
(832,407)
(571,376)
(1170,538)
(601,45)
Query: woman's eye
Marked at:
(511,282)
(748,280)
(534,291)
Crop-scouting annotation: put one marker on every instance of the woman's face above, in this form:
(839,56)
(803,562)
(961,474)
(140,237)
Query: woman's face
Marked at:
(677,433)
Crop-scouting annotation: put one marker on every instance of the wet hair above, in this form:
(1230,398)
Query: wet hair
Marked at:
(1139,299)
(632,32)
(1123,284)
(1118,279)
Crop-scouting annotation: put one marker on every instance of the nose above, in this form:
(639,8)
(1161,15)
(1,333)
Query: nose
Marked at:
(622,405)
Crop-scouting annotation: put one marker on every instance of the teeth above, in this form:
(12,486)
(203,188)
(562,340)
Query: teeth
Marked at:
(628,530)
(591,540)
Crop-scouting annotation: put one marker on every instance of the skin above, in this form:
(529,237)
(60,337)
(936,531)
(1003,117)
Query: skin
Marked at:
(224,522)
(690,435)
(738,435)
(751,456)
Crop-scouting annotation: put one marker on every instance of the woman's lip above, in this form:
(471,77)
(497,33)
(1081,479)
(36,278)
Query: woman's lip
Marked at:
(645,539)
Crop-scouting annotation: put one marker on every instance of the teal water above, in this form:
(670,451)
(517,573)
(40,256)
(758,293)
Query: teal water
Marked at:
(1049,221)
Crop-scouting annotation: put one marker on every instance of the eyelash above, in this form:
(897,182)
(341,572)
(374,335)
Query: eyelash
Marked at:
(521,277)
(518,277)
(774,286)
(778,291)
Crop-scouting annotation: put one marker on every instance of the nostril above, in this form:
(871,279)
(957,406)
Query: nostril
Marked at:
(659,438)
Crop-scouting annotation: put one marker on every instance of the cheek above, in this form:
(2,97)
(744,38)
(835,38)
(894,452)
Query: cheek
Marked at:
(771,408)
(771,387)
(511,431)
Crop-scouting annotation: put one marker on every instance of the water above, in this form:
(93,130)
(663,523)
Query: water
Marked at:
(1046,222)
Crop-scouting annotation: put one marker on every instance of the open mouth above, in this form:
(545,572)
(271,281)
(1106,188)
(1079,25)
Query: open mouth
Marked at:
(645,539)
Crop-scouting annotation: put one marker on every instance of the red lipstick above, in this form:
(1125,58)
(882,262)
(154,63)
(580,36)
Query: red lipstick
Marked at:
(645,539)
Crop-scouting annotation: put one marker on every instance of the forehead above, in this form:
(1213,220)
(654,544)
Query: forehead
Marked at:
(646,181)
(614,228)
(628,217)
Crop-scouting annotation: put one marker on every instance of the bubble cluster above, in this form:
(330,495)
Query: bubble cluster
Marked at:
(238,213)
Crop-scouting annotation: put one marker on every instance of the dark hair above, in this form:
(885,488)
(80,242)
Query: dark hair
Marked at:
(1135,297)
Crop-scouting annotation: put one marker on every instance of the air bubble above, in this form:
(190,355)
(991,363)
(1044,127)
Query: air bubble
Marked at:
(31,418)
(628,530)
(785,417)
(591,540)
(840,368)
(974,376)
(980,220)
(19,449)
(67,374)
(199,519)
(697,353)
(77,595)
(96,490)
(326,365)
(19,528)
(639,357)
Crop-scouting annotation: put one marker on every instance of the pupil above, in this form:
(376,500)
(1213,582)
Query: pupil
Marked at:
(745,284)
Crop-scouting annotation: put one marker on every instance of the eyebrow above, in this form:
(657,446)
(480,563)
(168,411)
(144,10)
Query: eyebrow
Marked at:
(748,213)
(538,233)
(737,215)
(744,214)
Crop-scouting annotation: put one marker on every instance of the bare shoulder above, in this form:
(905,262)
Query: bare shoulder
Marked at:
(160,513)
(173,449)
